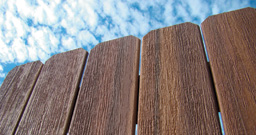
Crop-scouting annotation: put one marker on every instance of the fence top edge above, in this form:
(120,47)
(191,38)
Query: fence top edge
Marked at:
(117,39)
(176,25)
(22,65)
(55,55)
(38,61)
(209,18)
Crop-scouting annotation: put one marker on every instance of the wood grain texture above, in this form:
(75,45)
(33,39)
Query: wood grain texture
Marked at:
(49,108)
(106,103)
(14,94)
(176,94)
(231,44)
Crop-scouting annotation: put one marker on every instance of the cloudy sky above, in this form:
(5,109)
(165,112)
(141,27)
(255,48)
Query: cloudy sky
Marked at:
(37,29)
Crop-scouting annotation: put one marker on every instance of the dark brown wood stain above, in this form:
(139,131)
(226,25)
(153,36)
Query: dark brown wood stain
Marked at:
(14,94)
(50,104)
(106,103)
(176,95)
(231,44)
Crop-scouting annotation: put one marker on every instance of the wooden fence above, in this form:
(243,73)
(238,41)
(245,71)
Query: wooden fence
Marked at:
(177,91)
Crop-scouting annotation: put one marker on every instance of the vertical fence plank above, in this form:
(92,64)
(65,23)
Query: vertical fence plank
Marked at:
(231,44)
(106,102)
(49,108)
(176,94)
(14,94)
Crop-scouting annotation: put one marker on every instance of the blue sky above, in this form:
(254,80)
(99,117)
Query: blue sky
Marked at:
(37,29)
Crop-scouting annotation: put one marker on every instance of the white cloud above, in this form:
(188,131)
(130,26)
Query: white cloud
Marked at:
(68,43)
(42,43)
(90,16)
(198,8)
(40,16)
(123,9)
(6,54)
(32,51)
(25,9)
(43,56)
(215,9)
(108,7)
(183,13)
(101,29)
(20,26)
(50,13)
(85,38)
(41,38)
(11,5)
(141,22)
(145,4)
(54,42)
(168,13)
(10,31)
(20,50)
(56,26)
(2,75)
(69,11)
(220,6)
(1,68)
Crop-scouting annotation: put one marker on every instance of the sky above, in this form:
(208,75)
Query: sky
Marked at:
(33,30)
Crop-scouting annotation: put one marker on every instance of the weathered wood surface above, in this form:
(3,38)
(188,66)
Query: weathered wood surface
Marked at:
(14,94)
(106,103)
(50,106)
(176,94)
(231,44)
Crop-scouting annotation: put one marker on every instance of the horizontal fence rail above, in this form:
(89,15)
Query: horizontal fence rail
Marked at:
(177,91)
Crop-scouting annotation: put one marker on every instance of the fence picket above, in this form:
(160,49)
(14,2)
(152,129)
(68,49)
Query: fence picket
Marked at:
(14,94)
(176,90)
(50,105)
(106,102)
(231,44)
(176,94)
